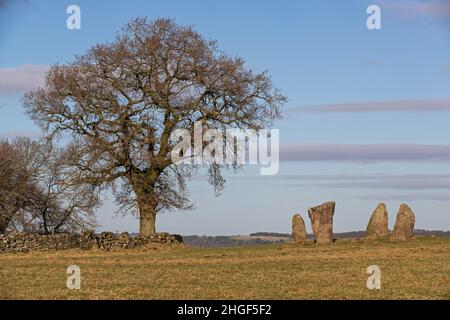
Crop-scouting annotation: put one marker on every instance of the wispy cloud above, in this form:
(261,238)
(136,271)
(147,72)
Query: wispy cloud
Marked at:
(369,181)
(364,152)
(441,197)
(401,184)
(5,3)
(20,79)
(411,181)
(428,184)
(412,9)
(378,106)
(365,177)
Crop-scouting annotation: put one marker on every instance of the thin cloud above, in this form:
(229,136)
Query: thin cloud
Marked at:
(364,181)
(413,9)
(370,181)
(362,177)
(380,106)
(5,3)
(365,153)
(21,79)
(385,184)
(441,197)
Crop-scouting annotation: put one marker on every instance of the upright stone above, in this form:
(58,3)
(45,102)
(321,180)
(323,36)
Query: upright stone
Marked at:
(404,224)
(378,223)
(298,229)
(322,222)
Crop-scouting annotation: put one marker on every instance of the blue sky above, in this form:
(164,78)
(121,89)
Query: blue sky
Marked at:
(371,107)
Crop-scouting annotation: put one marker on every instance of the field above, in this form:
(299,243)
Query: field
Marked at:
(414,270)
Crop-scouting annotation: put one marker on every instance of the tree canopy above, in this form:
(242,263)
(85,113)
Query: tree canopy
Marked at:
(121,101)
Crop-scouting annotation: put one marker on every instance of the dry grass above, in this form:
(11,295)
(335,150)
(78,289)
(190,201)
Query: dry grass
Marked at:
(413,270)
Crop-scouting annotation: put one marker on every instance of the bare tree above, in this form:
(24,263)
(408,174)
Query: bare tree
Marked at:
(122,100)
(56,204)
(16,182)
(36,194)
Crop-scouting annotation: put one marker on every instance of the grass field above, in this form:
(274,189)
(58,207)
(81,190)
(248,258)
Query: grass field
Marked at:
(414,270)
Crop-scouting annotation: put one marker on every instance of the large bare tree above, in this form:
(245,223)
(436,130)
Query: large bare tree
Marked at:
(122,100)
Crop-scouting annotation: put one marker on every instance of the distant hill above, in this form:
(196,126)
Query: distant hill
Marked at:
(355,234)
(228,241)
(421,232)
(341,235)
(261,238)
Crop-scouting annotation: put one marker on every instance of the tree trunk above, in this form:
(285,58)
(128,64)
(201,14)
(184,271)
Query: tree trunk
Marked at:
(147,218)
(5,219)
(3,227)
(143,186)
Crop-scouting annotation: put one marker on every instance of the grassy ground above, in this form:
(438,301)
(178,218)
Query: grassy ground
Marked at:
(415,270)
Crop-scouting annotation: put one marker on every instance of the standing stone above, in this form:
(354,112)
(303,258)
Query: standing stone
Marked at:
(322,222)
(298,229)
(404,225)
(378,223)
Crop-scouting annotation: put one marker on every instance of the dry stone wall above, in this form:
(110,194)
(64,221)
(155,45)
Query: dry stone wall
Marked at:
(25,242)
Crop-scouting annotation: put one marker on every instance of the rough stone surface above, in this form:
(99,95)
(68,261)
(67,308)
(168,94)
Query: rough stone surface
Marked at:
(299,233)
(378,223)
(322,222)
(404,224)
(107,241)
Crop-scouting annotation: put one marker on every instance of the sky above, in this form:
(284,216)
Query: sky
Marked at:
(367,119)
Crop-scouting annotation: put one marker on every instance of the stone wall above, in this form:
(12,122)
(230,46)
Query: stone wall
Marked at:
(25,242)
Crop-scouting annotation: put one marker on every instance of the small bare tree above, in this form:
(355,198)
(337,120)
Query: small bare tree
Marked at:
(122,100)
(16,182)
(36,194)
(56,204)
